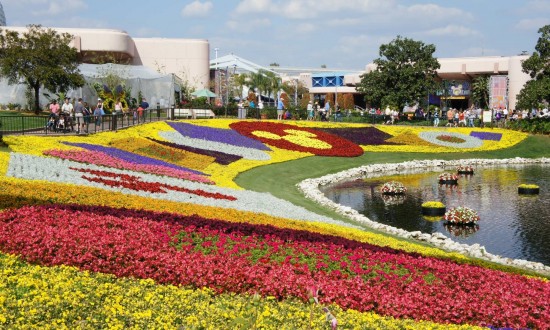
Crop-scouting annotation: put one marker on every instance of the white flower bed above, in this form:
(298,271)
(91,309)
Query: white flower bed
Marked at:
(469,141)
(246,153)
(58,170)
(310,188)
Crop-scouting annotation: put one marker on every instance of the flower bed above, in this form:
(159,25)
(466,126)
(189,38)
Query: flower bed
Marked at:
(433,208)
(393,188)
(528,189)
(461,215)
(465,169)
(282,263)
(448,178)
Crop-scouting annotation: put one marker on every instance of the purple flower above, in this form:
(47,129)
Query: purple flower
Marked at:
(131,157)
(486,135)
(361,136)
(218,135)
(221,157)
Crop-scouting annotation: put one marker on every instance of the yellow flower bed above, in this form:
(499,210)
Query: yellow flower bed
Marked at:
(63,297)
(509,139)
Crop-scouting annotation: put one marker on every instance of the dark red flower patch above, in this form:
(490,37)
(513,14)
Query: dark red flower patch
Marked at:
(340,147)
(239,257)
(135,183)
(366,136)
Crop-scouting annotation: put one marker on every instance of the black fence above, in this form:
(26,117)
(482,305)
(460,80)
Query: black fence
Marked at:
(65,124)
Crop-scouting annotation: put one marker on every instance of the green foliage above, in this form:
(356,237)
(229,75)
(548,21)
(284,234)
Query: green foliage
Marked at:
(534,126)
(537,66)
(404,74)
(480,91)
(39,58)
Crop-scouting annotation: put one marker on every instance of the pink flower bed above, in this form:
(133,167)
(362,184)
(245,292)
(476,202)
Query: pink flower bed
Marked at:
(241,257)
(103,159)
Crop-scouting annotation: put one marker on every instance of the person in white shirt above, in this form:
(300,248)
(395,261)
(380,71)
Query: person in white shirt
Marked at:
(67,106)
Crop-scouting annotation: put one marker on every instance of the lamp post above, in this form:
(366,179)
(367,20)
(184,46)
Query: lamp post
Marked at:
(216,74)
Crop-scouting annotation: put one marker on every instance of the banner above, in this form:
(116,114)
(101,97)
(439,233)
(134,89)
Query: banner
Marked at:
(498,92)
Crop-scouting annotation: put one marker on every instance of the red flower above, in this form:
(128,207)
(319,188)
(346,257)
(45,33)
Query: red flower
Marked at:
(340,146)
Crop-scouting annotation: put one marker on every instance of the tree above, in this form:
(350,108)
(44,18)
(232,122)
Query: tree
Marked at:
(480,91)
(405,73)
(537,90)
(39,58)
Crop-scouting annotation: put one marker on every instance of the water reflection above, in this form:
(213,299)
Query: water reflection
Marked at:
(511,225)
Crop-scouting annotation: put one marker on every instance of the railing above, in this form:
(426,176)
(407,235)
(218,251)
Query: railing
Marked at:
(48,125)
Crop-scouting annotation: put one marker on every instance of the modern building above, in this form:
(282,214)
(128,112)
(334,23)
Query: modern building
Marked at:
(506,80)
(186,58)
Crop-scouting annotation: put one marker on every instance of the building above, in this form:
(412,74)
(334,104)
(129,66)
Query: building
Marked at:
(457,74)
(186,58)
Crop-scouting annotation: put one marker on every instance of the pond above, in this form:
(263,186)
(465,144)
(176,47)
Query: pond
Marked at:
(511,225)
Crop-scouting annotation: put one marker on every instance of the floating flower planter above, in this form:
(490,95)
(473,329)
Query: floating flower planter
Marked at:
(461,231)
(393,199)
(461,215)
(393,188)
(528,189)
(432,209)
(465,169)
(432,218)
(448,178)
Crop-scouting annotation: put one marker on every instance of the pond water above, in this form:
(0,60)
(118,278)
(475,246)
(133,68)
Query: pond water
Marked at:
(511,225)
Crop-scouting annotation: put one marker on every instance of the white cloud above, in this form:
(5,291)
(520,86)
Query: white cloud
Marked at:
(248,25)
(55,7)
(452,31)
(254,6)
(532,23)
(197,9)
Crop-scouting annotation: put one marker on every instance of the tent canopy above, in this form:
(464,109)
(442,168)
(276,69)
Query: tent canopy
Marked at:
(156,87)
(203,93)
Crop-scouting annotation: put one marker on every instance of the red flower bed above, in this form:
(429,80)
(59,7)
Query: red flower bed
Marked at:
(340,146)
(134,183)
(240,257)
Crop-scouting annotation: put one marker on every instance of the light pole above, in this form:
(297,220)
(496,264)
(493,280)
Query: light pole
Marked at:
(216,75)
(295,93)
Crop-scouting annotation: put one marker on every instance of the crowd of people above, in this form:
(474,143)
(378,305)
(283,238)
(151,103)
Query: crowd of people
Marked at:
(78,116)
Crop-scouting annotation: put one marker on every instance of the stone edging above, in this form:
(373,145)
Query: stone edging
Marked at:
(310,188)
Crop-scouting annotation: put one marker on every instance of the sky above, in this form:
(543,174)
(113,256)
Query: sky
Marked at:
(340,34)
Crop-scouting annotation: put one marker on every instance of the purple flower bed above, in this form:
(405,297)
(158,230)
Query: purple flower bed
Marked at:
(486,135)
(218,135)
(131,157)
(361,136)
(221,157)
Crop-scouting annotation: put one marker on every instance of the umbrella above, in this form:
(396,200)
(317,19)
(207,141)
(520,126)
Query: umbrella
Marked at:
(203,93)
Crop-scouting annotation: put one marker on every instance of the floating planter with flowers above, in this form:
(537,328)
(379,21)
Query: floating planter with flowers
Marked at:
(461,231)
(448,178)
(393,188)
(461,215)
(465,169)
(528,189)
(433,208)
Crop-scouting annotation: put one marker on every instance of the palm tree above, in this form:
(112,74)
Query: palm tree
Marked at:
(240,80)
(480,91)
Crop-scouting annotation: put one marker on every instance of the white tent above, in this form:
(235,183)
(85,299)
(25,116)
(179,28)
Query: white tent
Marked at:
(156,87)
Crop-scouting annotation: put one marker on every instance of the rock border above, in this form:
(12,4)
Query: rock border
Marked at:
(310,189)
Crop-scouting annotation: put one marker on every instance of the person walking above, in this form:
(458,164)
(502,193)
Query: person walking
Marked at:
(310,111)
(79,116)
(436,117)
(280,109)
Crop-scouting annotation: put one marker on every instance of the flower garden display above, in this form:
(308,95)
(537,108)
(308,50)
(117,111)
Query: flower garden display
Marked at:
(461,215)
(465,169)
(528,189)
(433,208)
(155,233)
(448,178)
(393,188)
